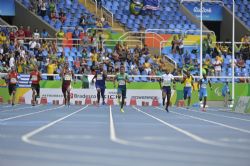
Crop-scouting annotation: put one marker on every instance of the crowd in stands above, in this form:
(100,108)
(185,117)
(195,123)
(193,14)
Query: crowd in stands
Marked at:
(48,10)
(217,58)
(25,49)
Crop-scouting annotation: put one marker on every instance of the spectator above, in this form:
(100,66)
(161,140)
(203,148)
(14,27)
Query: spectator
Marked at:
(207,45)
(174,44)
(77,65)
(51,69)
(44,34)
(52,6)
(12,61)
(43,8)
(60,35)
(180,47)
(62,16)
(82,22)
(3,38)
(20,35)
(53,16)
(36,34)
(76,36)
(241,63)
(12,35)
(217,66)
(28,32)
(207,65)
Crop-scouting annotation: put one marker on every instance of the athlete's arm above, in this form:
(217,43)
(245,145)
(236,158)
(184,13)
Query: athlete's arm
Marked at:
(29,79)
(127,79)
(174,83)
(115,78)
(210,85)
(95,76)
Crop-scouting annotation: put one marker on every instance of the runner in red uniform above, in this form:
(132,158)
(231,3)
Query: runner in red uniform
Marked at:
(12,83)
(67,75)
(35,77)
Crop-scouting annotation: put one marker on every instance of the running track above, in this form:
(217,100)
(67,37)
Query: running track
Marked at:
(103,136)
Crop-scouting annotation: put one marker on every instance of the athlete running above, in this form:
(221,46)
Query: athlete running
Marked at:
(12,81)
(188,84)
(165,84)
(100,78)
(35,77)
(67,75)
(122,79)
(203,90)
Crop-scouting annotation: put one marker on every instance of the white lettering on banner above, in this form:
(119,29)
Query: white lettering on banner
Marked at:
(82,94)
(204,10)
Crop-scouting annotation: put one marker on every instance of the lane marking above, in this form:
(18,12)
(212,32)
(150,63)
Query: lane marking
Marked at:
(6,106)
(23,115)
(26,137)
(103,151)
(219,115)
(189,134)
(210,121)
(21,108)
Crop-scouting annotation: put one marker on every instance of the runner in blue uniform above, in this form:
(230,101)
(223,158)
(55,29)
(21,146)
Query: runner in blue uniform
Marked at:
(100,78)
(203,90)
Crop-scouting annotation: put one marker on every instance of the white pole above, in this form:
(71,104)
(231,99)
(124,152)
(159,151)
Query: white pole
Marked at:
(201,39)
(233,56)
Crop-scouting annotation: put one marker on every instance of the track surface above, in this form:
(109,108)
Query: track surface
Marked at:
(89,135)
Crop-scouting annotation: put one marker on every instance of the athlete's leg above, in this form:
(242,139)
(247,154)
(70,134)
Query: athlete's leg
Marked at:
(163,96)
(119,93)
(103,95)
(168,100)
(123,99)
(98,95)
(64,95)
(68,95)
(205,102)
(33,96)
(13,96)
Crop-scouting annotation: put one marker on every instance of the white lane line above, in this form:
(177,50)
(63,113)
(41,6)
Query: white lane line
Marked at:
(103,151)
(21,108)
(185,132)
(210,121)
(112,130)
(19,116)
(226,110)
(26,137)
(9,105)
(219,115)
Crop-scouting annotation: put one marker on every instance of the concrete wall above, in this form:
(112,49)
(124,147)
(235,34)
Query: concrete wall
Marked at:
(226,27)
(2,22)
(26,18)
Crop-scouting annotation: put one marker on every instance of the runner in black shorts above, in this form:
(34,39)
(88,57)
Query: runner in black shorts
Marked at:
(12,83)
(35,77)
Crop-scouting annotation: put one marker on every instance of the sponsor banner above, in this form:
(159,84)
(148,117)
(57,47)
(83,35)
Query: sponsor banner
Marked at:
(82,94)
(7,8)
(209,12)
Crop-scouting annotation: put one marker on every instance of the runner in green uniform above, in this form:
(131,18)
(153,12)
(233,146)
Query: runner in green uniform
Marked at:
(122,79)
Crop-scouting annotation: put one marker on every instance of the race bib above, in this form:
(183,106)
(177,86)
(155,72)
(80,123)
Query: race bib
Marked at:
(166,82)
(67,78)
(203,85)
(34,78)
(122,82)
(188,84)
(99,77)
(13,80)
